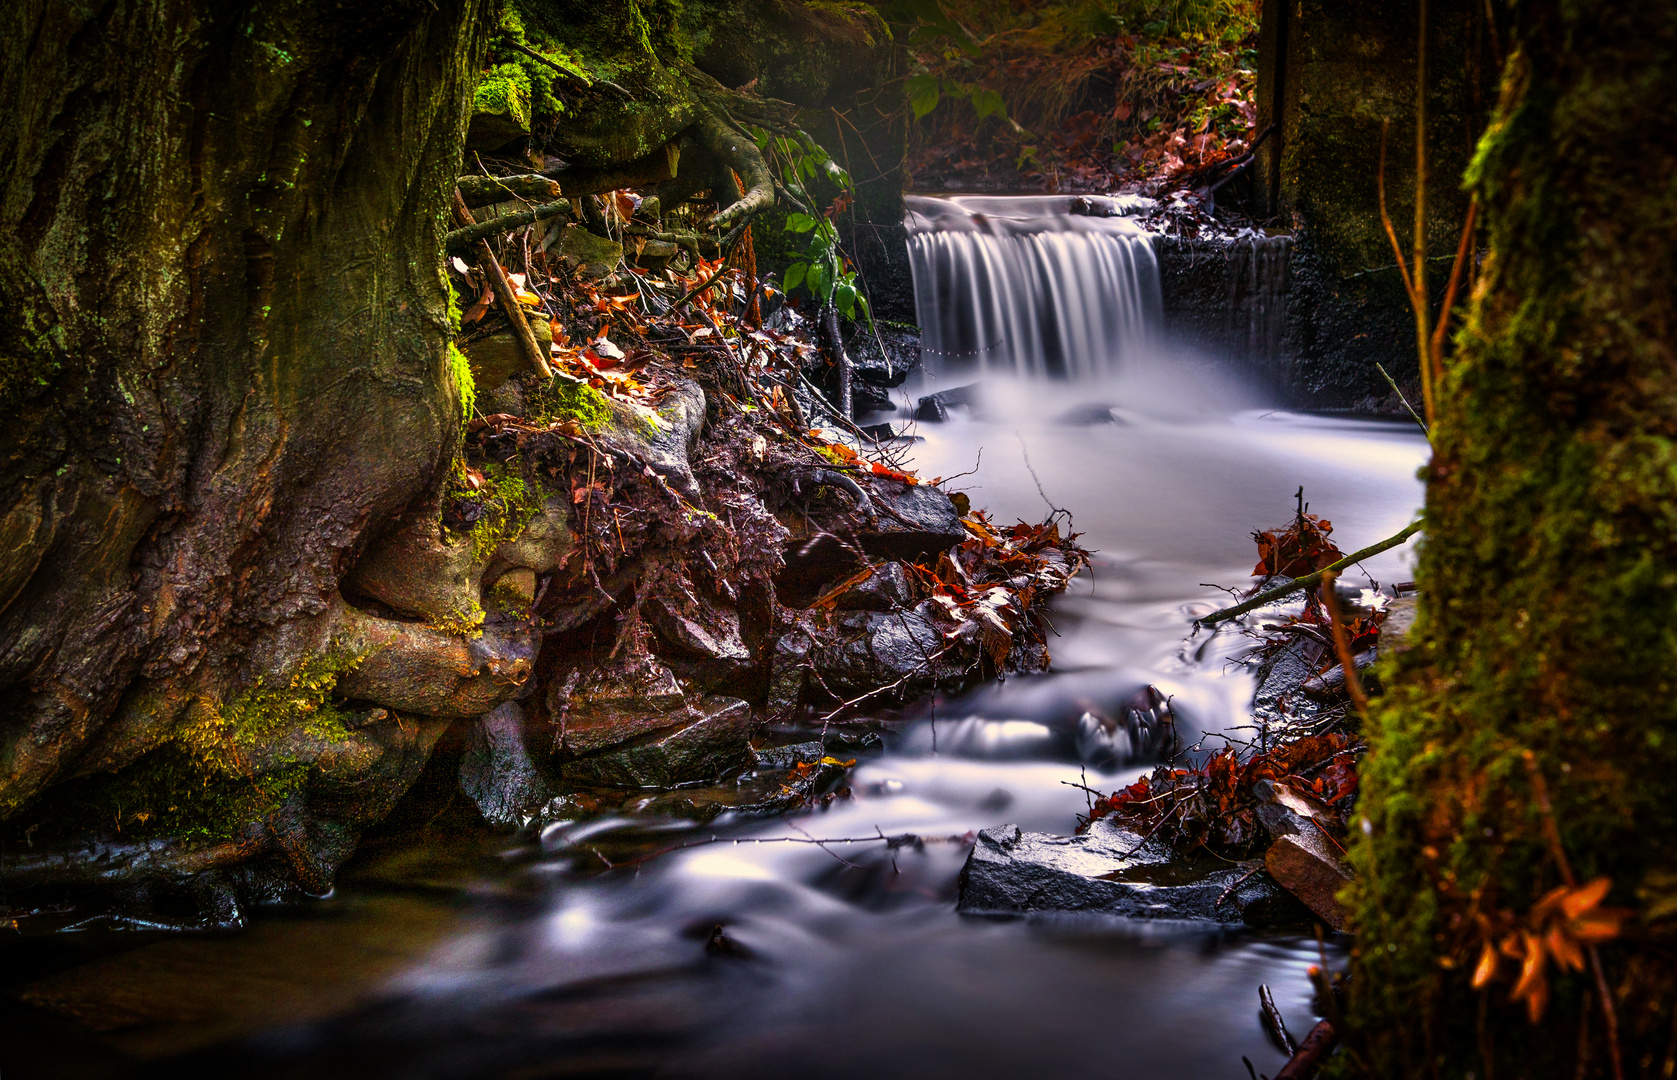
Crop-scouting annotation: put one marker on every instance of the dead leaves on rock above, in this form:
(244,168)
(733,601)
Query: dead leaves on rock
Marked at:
(1303,547)
(1214,806)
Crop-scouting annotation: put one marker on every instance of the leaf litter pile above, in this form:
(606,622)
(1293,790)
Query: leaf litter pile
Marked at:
(1305,747)
(776,520)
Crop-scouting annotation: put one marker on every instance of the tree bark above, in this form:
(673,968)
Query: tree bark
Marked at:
(1548,585)
(226,359)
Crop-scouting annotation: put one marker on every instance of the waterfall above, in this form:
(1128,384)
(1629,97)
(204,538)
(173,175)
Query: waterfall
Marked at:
(1256,310)
(1023,285)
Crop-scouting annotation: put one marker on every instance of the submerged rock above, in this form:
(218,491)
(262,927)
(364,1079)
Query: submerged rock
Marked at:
(935,407)
(1110,869)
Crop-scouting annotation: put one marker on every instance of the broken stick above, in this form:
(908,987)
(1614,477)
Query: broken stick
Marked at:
(502,289)
(1271,595)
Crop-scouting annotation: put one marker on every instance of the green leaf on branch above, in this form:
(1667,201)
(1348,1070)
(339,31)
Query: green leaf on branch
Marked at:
(795,275)
(986,102)
(922,91)
(799,223)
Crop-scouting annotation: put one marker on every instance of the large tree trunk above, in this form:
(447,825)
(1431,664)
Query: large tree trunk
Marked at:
(224,353)
(1549,589)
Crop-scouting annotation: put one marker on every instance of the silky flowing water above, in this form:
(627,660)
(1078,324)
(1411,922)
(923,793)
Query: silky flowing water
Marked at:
(521,957)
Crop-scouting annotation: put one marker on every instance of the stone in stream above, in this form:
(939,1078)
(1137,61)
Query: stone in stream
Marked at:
(1330,685)
(713,743)
(1110,869)
(1304,858)
(497,772)
(935,407)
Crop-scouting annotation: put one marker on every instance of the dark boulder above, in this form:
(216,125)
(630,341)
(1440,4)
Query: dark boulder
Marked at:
(497,771)
(935,407)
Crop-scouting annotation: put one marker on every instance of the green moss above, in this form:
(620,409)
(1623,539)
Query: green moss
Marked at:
(265,712)
(202,783)
(460,369)
(565,400)
(1548,591)
(508,599)
(505,91)
(505,505)
(466,624)
(464,385)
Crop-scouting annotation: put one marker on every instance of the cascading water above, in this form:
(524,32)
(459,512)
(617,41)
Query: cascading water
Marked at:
(1019,285)
(754,947)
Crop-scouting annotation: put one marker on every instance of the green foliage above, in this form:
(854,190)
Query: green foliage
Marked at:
(266,712)
(519,85)
(464,385)
(460,369)
(564,399)
(820,269)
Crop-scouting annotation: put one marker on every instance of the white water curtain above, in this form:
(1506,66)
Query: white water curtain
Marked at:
(1020,286)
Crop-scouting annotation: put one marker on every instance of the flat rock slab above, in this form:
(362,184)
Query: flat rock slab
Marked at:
(1110,869)
(715,743)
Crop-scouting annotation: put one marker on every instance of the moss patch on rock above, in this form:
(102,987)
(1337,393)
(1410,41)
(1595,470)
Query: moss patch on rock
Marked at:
(202,784)
(493,513)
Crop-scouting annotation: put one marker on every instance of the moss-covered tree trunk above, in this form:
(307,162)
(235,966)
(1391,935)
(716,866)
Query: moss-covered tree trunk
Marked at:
(223,350)
(1549,594)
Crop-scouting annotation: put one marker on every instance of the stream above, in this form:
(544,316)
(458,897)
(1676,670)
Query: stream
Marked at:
(502,957)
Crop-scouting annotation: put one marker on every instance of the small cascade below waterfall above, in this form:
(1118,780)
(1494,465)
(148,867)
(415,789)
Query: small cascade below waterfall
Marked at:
(1258,279)
(1022,285)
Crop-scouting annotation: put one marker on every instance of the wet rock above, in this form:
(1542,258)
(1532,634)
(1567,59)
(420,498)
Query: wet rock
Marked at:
(935,407)
(1144,729)
(1094,206)
(589,255)
(1111,869)
(610,706)
(1287,669)
(1304,858)
(499,357)
(497,771)
(1330,685)
(709,630)
(886,589)
(887,369)
(875,650)
(714,743)
(892,434)
(915,520)
(785,757)
(1089,415)
(788,673)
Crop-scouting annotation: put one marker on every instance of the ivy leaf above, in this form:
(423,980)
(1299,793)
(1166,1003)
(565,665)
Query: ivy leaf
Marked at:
(922,93)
